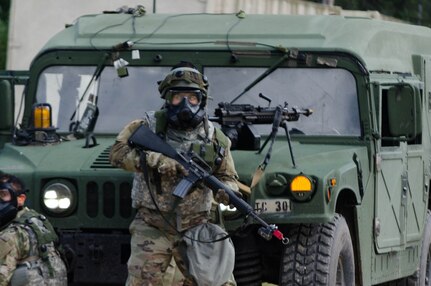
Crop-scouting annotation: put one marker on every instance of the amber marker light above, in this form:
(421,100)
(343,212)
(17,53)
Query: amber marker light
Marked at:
(42,116)
(332,183)
(301,188)
(301,183)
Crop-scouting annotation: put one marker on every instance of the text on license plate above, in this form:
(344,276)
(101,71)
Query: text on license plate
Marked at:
(272,205)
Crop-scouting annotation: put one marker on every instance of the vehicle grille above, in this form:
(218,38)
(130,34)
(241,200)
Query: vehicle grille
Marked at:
(115,199)
(102,161)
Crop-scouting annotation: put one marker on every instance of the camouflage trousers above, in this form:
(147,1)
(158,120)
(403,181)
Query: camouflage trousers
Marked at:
(155,258)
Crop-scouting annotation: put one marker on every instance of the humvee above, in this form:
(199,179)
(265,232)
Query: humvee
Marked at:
(348,184)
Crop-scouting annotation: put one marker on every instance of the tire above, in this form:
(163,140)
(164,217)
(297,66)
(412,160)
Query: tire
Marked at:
(423,275)
(319,254)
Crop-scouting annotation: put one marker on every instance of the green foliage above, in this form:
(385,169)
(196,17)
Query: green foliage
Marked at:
(4,10)
(4,19)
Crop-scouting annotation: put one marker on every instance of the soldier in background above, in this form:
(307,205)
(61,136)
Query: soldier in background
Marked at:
(28,253)
(163,221)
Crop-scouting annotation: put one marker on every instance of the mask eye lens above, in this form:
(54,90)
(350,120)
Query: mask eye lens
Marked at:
(5,195)
(177,97)
(193,99)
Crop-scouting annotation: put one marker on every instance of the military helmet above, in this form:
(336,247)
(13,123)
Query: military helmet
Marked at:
(184,78)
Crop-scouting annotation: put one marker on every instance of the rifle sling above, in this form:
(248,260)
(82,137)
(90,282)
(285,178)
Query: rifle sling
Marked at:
(157,182)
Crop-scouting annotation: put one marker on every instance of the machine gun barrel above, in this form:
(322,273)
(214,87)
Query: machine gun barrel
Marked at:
(145,139)
(228,114)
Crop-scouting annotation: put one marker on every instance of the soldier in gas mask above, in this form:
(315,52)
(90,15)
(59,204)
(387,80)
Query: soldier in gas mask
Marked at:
(28,253)
(166,226)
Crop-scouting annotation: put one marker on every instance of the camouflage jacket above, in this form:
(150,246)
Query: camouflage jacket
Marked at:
(198,200)
(19,251)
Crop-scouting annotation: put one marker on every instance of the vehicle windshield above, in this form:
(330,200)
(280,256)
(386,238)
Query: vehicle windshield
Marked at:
(119,100)
(331,93)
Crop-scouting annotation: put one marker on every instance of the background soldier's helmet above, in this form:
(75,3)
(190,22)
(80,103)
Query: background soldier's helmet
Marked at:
(9,209)
(186,79)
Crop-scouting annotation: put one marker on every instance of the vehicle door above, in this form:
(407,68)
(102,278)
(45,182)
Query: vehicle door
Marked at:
(11,98)
(399,167)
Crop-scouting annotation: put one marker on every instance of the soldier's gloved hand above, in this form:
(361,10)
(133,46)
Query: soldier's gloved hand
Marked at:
(170,167)
(223,198)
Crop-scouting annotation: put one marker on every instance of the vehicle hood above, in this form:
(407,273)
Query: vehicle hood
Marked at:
(67,156)
(313,159)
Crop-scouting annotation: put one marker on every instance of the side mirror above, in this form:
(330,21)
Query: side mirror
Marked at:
(404,112)
(7,104)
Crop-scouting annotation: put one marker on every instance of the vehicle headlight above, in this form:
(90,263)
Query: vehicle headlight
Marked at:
(225,208)
(59,198)
(229,212)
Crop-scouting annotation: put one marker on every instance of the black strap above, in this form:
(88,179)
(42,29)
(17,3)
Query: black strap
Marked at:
(157,182)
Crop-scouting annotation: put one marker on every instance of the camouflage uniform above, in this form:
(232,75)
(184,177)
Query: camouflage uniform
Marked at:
(154,238)
(20,263)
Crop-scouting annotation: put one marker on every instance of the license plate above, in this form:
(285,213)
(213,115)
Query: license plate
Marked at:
(272,205)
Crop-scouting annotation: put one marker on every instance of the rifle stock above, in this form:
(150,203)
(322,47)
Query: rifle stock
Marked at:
(145,139)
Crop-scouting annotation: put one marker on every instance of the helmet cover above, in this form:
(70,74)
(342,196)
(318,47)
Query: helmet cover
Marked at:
(184,78)
(184,115)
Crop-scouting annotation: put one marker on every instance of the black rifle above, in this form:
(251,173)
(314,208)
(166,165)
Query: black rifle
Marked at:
(145,139)
(237,121)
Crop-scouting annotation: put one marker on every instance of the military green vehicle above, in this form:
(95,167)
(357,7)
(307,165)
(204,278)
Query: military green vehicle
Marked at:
(347,184)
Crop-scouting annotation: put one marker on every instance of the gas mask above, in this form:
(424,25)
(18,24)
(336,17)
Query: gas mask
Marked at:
(8,209)
(185,115)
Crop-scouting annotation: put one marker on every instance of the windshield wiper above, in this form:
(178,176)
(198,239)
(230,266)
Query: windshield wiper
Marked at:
(100,67)
(83,127)
(267,72)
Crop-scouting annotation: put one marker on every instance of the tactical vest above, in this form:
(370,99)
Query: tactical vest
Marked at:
(41,235)
(211,152)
